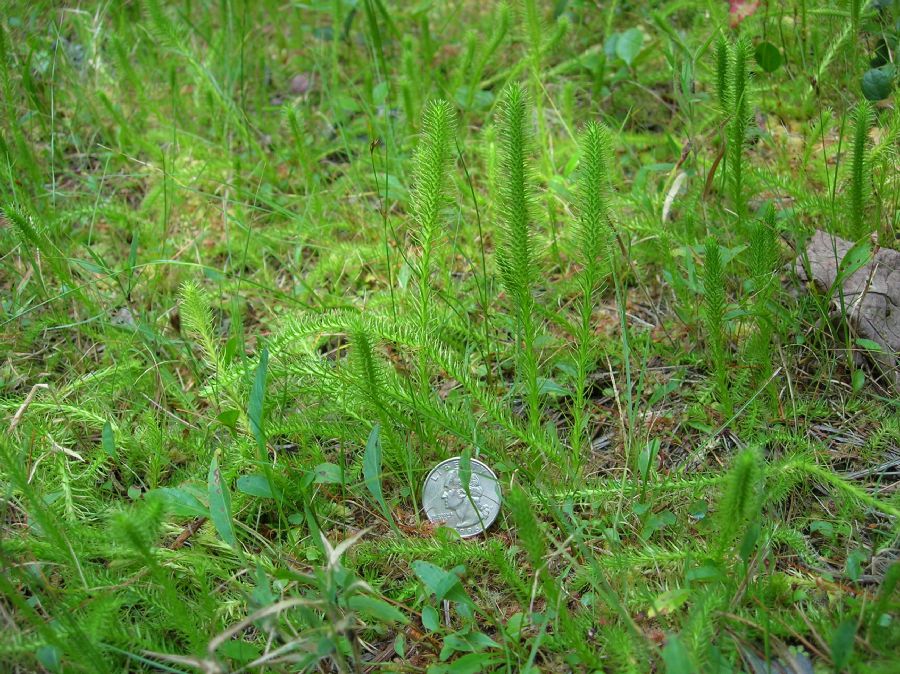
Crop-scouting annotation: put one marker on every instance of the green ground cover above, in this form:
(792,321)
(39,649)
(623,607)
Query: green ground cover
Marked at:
(264,264)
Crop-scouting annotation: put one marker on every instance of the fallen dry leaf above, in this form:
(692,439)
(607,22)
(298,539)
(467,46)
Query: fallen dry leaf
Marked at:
(871,294)
(741,9)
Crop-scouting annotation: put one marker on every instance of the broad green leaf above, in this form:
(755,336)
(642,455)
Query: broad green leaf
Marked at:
(644,461)
(400,644)
(822,527)
(858,380)
(108,440)
(465,469)
(663,391)
(550,387)
(703,573)
(698,509)
(257,396)
(646,457)
(768,57)
(640,508)
(255,485)
(730,253)
(480,640)
(214,274)
(379,93)
(240,651)
(737,313)
(465,612)
(133,250)
(885,595)
(470,99)
(442,584)
(628,46)
(609,47)
(229,418)
(49,657)
(853,568)
(395,189)
(182,503)
(675,657)
(842,643)
(854,260)
(376,608)
(869,344)
(220,504)
(877,83)
(328,473)
(312,521)
(231,349)
(472,642)
(90,266)
(472,663)
(262,594)
(748,543)
(658,521)
(431,621)
(372,472)
(670,601)
(593,62)
(666,517)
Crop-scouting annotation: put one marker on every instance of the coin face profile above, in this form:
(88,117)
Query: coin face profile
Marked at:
(446,502)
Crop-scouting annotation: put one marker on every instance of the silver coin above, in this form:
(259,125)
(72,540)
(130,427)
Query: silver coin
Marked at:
(446,502)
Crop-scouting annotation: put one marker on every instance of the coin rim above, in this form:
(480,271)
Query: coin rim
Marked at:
(493,475)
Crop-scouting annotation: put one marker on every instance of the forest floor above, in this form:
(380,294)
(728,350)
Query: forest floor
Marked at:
(243,316)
